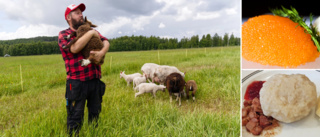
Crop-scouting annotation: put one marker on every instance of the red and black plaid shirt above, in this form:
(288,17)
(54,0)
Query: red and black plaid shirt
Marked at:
(73,67)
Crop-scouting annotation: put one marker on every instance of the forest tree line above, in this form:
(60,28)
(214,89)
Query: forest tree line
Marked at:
(49,45)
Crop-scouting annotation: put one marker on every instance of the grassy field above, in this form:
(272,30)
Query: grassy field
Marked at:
(39,109)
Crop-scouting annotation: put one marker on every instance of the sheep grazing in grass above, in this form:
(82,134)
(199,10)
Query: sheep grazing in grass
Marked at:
(191,86)
(138,80)
(163,71)
(129,78)
(175,84)
(149,88)
(94,44)
(148,69)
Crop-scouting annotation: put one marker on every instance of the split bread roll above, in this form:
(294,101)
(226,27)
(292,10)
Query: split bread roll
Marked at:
(288,98)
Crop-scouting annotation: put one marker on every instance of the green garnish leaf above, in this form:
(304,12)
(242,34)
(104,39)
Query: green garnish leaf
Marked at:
(295,17)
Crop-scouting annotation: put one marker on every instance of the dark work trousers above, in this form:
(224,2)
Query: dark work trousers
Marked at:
(77,92)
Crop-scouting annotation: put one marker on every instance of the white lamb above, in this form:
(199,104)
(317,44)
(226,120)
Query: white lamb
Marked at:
(129,78)
(148,69)
(139,80)
(149,88)
(163,71)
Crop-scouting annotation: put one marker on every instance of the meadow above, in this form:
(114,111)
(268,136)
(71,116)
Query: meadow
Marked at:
(37,107)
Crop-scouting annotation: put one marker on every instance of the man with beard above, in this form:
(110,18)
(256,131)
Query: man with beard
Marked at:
(83,83)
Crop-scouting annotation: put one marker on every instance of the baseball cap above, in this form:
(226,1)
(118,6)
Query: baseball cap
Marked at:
(72,7)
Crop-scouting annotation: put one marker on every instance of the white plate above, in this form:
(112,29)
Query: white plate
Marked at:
(308,126)
(254,65)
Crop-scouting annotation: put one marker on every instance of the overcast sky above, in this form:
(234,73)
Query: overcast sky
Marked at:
(115,18)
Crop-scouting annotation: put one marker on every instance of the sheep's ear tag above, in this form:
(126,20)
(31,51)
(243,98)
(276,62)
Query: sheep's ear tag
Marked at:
(120,72)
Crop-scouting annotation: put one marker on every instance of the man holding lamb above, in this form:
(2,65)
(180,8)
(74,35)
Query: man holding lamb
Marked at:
(83,82)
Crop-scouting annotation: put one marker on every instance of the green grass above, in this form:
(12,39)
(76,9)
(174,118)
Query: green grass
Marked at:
(39,110)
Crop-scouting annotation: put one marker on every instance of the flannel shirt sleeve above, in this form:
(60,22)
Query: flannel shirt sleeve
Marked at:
(61,41)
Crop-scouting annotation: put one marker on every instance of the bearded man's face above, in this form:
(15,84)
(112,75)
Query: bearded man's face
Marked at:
(76,23)
(76,18)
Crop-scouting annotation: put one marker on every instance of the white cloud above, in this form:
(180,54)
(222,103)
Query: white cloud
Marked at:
(206,15)
(184,14)
(176,18)
(231,11)
(140,22)
(30,11)
(113,26)
(161,25)
(31,31)
(135,24)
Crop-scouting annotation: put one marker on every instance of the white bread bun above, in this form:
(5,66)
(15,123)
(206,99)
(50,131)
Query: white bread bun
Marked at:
(288,98)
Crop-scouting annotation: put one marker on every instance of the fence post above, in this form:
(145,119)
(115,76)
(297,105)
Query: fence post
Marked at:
(110,63)
(186,52)
(21,78)
(159,57)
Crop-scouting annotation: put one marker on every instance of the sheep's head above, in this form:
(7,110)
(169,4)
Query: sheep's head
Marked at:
(121,74)
(183,74)
(162,87)
(156,79)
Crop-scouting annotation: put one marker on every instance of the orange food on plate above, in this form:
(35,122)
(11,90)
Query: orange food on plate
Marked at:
(277,41)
